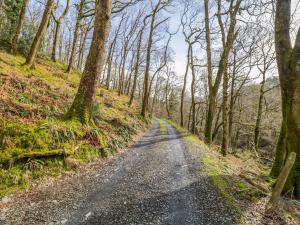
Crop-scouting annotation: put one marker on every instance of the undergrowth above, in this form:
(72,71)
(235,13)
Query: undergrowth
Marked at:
(35,141)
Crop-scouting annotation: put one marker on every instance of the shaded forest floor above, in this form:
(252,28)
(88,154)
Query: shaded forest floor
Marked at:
(35,141)
(244,182)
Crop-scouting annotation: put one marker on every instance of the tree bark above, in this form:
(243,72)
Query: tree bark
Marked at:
(16,38)
(82,107)
(30,60)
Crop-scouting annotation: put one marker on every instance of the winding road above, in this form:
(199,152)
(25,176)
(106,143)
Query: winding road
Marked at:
(157,181)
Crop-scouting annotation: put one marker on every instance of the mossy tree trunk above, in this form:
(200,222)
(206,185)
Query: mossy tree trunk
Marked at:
(16,38)
(82,107)
(30,60)
(288,60)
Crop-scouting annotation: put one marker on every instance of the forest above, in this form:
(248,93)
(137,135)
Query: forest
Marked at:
(149,87)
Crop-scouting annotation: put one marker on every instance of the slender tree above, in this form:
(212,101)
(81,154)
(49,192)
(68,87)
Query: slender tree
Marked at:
(30,60)
(58,22)
(111,52)
(153,26)
(79,17)
(137,61)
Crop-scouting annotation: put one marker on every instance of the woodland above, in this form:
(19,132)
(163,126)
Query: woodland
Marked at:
(92,73)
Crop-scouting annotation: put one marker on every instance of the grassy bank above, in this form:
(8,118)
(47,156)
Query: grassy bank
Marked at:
(35,141)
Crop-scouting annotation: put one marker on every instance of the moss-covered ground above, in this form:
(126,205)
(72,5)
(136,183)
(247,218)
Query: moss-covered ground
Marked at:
(35,141)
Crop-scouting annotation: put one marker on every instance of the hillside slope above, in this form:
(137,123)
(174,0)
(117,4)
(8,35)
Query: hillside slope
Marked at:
(35,141)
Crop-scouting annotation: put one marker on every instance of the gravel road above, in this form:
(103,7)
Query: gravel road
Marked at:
(157,181)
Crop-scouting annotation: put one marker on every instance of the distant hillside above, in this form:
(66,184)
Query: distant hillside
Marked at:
(35,141)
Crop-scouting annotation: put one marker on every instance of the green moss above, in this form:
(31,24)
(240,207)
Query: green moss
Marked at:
(15,135)
(13,180)
(87,153)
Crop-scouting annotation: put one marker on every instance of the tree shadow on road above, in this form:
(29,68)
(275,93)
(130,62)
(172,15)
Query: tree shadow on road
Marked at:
(157,138)
(197,203)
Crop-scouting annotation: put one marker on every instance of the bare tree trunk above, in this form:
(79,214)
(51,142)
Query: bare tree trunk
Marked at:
(67,56)
(60,47)
(137,62)
(57,30)
(128,83)
(16,38)
(232,101)
(122,77)
(75,38)
(193,104)
(184,86)
(166,95)
(82,47)
(82,107)
(225,137)
(148,60)
(217,124)
(30,60)
(280,152)
(259,113)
